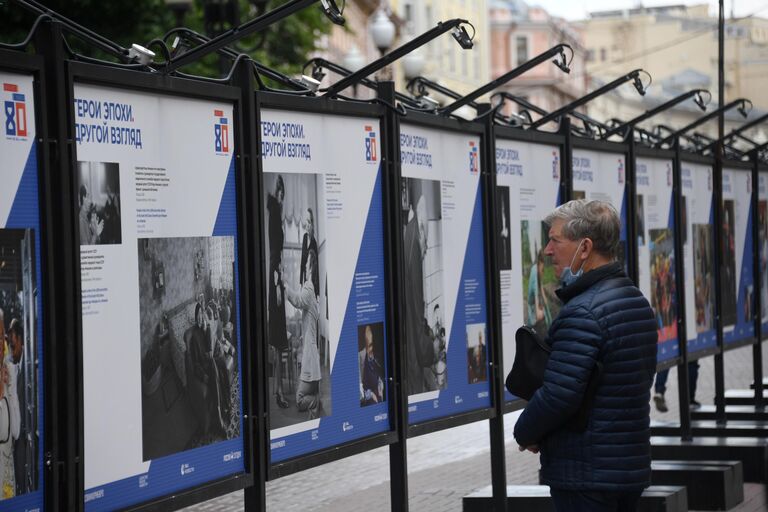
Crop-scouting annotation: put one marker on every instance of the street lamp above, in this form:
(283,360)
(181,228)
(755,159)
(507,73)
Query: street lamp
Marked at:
(353,61)
(383,35)
(413,64)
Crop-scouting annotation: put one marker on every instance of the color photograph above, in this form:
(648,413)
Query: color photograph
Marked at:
(19,431)
(728,264)
(703,278)
(540,304)
(663,287)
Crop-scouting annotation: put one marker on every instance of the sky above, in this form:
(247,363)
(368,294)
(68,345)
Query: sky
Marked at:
(579,9)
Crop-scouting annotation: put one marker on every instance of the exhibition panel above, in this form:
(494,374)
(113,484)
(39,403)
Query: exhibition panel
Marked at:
(162,332)
(444,267)
(762,223)
(323,215)
(23,429)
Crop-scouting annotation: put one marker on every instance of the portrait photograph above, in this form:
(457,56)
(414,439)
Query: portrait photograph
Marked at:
(728,264)
(477,353)
(371,366)
(423,260)
(190,375)
(299,359)
(98,203)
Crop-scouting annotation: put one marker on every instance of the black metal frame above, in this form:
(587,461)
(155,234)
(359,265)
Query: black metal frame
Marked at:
(325,106)
(82,73)
(49,397)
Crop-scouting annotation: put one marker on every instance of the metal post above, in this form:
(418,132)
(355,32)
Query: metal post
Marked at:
(256,439)
(631,192)
(63,459)
(398,451)
(683,391)
(566,182)
(757,348)
(496,423)
(718,189)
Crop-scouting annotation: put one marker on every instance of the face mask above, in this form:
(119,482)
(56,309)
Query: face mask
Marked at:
(568,276)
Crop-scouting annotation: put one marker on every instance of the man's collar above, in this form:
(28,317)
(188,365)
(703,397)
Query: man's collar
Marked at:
(586,281)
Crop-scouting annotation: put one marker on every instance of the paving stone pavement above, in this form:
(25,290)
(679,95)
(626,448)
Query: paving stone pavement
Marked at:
(444,466)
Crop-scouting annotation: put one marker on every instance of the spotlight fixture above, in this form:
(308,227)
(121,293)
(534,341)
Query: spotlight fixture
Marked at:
(140,54)
(562,63)
(310,83)
(318,73)
(699,99)
(742,108)
(428,102)
(332,11)
(462,37)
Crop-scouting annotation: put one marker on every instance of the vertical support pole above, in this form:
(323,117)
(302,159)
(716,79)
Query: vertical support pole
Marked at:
(398,451)
(757,348)
(631,192)
(718,189)
(256,440)
(683,391)
(63,457)
(496,423)
(566,181)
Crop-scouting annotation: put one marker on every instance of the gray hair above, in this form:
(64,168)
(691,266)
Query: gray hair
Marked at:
(596,220)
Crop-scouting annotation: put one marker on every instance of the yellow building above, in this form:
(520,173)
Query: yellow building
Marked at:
(678,45)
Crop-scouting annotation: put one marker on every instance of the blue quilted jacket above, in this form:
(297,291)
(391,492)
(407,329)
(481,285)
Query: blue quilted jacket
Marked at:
(604,318)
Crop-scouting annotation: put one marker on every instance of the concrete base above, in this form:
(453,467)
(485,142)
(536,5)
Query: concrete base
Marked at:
(742,396)
(536,498)
(751,451)
(732,412)
(711,485)
(705,428)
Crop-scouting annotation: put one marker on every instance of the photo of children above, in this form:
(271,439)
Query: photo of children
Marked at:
(663,287)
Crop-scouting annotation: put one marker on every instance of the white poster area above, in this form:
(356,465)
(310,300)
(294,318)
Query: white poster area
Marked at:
(698,249)
(599,176)
(21,399)
(440,180)
(527,190)
(159,314)
(656,246)
(336,180)
(762,216)
(736,313)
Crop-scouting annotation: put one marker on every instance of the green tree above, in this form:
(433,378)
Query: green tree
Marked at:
(284,46)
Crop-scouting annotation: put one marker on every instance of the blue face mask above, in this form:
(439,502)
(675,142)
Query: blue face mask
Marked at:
(568,276)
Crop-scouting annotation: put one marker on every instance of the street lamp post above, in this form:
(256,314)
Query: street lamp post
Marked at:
(353,61)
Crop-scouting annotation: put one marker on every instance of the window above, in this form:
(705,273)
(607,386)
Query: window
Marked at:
(590,55)
(603,55)
(521,49)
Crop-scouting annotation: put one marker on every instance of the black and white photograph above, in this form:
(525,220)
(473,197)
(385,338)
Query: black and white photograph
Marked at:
(703,280)
(98,203)
(728,264)
(189,351)
(423,262)
(370,362)
(503,242)
(19,442)
(297,299)
(640,220)
(477,354)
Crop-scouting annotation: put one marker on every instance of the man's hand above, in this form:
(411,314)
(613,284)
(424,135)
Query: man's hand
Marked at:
(534,448)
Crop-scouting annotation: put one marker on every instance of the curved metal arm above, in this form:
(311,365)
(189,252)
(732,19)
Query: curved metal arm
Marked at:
(514,73)
(695,93)
(633,75)
(441,28)
(740,103)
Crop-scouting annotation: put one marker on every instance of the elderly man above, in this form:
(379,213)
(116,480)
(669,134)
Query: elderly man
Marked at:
(595,446)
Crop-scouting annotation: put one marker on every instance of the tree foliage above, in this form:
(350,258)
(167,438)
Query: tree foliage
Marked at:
(284,46)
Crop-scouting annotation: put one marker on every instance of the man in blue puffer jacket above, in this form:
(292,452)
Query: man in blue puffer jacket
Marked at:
(605,326)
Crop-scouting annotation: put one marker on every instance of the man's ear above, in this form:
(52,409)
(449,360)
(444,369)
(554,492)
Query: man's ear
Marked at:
(586,248)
